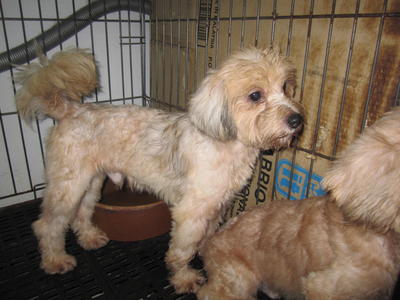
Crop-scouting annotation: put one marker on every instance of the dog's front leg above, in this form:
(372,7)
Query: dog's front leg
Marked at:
(183,247)
(190,222)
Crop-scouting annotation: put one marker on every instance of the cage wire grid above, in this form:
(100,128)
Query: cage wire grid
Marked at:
(121,43)
(119,40)
(157,56)
(194,44)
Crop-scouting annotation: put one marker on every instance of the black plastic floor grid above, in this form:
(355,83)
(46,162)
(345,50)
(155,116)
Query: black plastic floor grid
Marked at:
(119,271)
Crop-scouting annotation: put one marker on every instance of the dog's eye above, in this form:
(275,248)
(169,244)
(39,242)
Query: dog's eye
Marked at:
(255,96)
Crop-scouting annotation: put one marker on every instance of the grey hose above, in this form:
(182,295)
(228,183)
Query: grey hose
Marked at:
(67,28)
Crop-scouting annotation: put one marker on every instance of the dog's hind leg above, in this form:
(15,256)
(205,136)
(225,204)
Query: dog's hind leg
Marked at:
(89,235)
(60,203)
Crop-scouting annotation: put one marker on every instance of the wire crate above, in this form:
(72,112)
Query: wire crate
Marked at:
(155,53)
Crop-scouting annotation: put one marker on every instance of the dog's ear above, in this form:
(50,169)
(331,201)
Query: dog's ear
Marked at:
(209,109)
(365,180)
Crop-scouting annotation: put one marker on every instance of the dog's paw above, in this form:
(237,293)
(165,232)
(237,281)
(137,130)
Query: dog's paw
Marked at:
(93,240)
(59,264)
(270,293)
(187,281)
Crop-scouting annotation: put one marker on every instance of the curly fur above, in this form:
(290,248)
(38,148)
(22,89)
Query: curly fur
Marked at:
(195,161)
(345,245)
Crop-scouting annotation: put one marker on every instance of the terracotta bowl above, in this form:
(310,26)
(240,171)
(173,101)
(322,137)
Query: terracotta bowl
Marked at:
(126,215)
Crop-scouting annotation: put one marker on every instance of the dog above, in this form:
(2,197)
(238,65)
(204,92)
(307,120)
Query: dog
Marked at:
(344,245)
(195,160)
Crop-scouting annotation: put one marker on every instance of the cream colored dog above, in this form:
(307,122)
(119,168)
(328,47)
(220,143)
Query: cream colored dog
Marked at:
(194,160)
(345,245)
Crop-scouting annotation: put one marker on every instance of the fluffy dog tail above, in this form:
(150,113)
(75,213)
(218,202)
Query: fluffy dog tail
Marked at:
(50,87)
(365,180)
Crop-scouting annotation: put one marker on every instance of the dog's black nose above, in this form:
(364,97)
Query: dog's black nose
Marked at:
(295,120)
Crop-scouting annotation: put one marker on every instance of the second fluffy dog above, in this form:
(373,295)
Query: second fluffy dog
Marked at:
(345,245)
(194,160)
